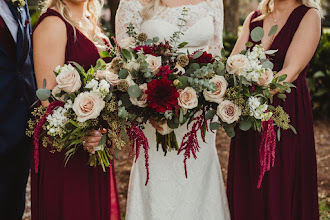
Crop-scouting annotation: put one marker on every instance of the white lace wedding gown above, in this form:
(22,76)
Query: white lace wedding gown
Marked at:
(169,195)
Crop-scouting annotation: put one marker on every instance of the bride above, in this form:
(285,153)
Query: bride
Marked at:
(169,195)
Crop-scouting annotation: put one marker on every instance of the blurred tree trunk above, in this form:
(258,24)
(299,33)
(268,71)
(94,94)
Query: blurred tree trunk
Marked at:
(113,4)
(231,16)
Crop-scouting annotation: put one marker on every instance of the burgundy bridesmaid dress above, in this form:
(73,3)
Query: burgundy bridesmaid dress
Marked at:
(75,191)
(289,189)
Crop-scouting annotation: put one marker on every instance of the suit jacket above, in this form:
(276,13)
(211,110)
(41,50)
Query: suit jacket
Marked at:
(17,84)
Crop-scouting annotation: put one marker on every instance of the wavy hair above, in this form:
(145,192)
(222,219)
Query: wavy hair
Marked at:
(93,7)
(267,6)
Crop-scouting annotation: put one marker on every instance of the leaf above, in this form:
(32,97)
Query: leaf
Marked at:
(273,30)
(230,131)
(270,52)
(215,126)
(100,65)
(173,124)
(223,52)
(155,39)
(103,140)
(125,100)
(123,73)
(198,54)
(181,116)
(43,94)
(44,83)
(281,78)
(270,107)
(279,134)
(245,125)
(257,34)
(293,129)
(73,123)
(210,114)
(267,65)
(249,44)
(125,53)
(281,96)
(104,54)
(80,69)
(195,66)
(182,45)
(134,91)
(149,42)
(321,92)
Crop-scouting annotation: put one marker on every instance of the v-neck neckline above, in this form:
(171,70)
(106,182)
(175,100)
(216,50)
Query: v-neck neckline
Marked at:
(282,29)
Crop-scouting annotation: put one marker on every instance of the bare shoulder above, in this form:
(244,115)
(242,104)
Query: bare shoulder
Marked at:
(141,2)
(312,18)
(51,26)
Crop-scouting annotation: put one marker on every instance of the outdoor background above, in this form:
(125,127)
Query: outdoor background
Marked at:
(318,79)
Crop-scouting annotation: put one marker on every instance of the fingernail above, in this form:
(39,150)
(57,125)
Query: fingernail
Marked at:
(97,133)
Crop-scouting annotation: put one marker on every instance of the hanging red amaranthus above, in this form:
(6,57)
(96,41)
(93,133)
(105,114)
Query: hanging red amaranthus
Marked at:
(139,140)
(190,143)
(267,149)
(38,129)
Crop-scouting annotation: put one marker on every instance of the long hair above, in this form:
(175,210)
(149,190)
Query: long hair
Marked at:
(267,6)
(152,6)
(93,8)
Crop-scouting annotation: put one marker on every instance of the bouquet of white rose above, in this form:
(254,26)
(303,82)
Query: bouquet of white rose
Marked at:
(80,102)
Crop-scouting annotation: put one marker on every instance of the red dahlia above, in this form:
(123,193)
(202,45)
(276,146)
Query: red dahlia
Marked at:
(205,58)
(162,95)
(146,49)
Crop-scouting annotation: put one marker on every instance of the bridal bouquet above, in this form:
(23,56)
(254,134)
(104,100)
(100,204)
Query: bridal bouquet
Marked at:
(80,102)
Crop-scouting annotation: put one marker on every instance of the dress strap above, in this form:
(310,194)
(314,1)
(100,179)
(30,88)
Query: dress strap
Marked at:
(254,24)
(297,16)
(52,12)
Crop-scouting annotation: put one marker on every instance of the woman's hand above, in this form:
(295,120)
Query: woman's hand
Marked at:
(92,140)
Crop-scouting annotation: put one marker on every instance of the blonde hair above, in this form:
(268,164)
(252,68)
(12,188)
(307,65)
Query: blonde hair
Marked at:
(267,6)
(93,8)
(152,6)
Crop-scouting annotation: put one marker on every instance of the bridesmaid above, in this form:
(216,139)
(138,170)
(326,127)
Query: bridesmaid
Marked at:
(289,189)
(65,32)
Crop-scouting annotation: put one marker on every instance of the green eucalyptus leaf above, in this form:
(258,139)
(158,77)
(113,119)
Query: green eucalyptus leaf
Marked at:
(149,42)
(198,54)
(44,83)
(184,82)
(267,65)
(134,91)
(273,30)
(43,94)
(230,131)
(155,39)
(210,114)
(215,126)
(281,78)
(257,34)
(245,125)
(195,66)
(125,100)
(123,73)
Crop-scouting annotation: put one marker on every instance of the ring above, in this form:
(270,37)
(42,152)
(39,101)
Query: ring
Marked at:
(84,142)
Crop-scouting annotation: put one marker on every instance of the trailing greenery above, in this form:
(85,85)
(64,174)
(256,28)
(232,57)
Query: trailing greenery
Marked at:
(318,76)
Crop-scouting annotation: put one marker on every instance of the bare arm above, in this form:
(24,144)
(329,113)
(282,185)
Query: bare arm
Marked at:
(243,37)
(303,46)
(49,42)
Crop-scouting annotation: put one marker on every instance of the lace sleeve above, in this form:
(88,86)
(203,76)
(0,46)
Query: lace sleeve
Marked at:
(128,12)
(216,42)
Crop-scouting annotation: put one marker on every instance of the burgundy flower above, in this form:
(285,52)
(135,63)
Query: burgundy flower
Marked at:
(164,71)
(205,58)
(162,95)
(146,49)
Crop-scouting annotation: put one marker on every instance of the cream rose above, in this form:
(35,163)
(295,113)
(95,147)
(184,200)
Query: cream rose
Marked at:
(132,65)
(141,101)
(217,96)
(228,111)
(154,63)
(109,76)
(266,78)
(87,106)
(127,43)
(188,98)
(56,91)
(237,63)
(68,80)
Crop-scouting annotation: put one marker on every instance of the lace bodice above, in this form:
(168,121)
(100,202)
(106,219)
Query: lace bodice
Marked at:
(204,20)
